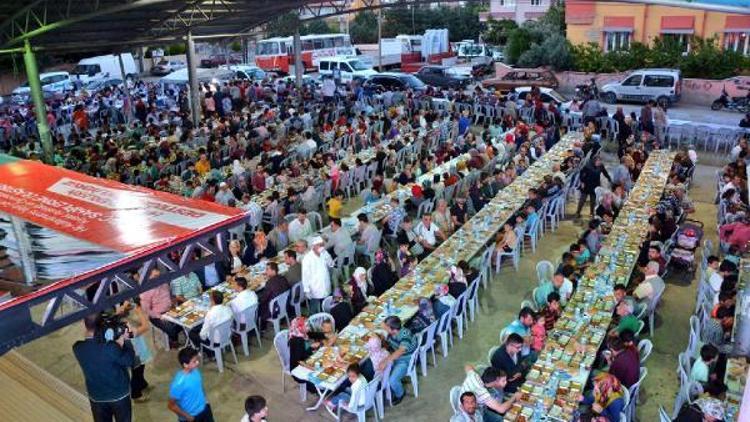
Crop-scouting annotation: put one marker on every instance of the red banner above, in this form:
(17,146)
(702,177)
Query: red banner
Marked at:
(124,218)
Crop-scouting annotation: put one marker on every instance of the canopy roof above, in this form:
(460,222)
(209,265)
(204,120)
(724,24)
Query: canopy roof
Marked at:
(86,25)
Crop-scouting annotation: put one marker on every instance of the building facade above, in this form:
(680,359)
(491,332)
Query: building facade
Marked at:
(615,25)
(517,10)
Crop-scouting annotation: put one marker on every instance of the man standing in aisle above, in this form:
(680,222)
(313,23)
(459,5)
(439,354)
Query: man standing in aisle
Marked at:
(316,275)
(186,396)
(106,364)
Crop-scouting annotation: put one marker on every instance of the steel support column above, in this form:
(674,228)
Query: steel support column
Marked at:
(195,97)
(299,67)
(35,86)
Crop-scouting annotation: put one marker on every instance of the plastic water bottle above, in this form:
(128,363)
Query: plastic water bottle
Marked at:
(538,410)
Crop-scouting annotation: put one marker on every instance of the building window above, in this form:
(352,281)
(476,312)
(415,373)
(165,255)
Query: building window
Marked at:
(738,42)
(508,3)
(536,2)
(683,40)
(614,41)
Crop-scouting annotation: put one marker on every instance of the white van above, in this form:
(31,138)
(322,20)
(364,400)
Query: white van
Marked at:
(347,67)
(52,82)
(661,85)
(104,67)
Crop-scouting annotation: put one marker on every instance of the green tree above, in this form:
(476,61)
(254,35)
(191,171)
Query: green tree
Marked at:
(497,32)
(555,18)
(461,22)
(364,28)
(317,26)
(519,40)
(554,51)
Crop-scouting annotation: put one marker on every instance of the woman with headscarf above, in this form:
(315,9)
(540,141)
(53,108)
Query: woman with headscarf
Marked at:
(383,277)
(424,316)
(259,249)
(606,399)
(377,353)
(300,345)
(358,289)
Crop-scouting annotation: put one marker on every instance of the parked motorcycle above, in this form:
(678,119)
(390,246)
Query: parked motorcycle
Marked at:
(586,91)
(741,104)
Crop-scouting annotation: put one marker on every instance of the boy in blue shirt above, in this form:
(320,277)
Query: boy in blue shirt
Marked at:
(186,397)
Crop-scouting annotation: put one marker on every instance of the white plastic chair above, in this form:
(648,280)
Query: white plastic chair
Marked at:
(277,306)
(485,267)
(371,393)
(316,321)
(454,396)
(633,391)
(514,255)
(327,304)
(472,297)
(533,234)
(411,372)
(444,332)
(663,415)
(221,338)
(427,344)
(250,316)
(544,271)
(296,297)
(644,349)
(459,313)
(491,352)
(281,344)
(652,310)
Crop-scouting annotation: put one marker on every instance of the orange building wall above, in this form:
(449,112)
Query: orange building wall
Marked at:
(647,22)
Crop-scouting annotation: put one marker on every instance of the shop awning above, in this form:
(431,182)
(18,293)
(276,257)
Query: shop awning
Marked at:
(618,24)
(579,12)
(677,24)
(737,23)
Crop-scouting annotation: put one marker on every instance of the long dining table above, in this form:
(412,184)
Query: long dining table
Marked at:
(326,367)
(555,382)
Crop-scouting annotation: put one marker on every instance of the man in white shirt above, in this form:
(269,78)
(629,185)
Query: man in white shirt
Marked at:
(367,235)
(224,194)
(316,276)
(339,241)
(652,285)
(488,390)
(300,227)
(217,314)
(428,232)
(328,89)
(244,300)
(254,211)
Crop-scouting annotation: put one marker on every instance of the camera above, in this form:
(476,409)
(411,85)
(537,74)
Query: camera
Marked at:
(111,328)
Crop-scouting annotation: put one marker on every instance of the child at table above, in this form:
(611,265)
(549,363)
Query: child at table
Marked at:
(352,397)
(538,333)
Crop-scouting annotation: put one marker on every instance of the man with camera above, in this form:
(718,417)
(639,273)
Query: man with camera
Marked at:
(105,359)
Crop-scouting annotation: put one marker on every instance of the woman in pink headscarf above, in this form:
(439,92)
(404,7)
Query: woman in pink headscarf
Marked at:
(377,353)
(300,346)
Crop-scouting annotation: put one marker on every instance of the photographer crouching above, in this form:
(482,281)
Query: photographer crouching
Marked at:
(106,358)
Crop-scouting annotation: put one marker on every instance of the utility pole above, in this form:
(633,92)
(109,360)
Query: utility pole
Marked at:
(299,67)
(380,40)
(195,98)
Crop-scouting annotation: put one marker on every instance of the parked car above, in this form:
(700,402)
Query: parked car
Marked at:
(246,71)
(393,81)
(347,68)
(497,54)
(100,85)
(165,67)
(661,85)
(52,83)
(522,77)
(216,60)
(443,77)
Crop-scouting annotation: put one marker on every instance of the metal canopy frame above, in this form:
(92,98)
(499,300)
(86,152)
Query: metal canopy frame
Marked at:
(22,319)
(91,25)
